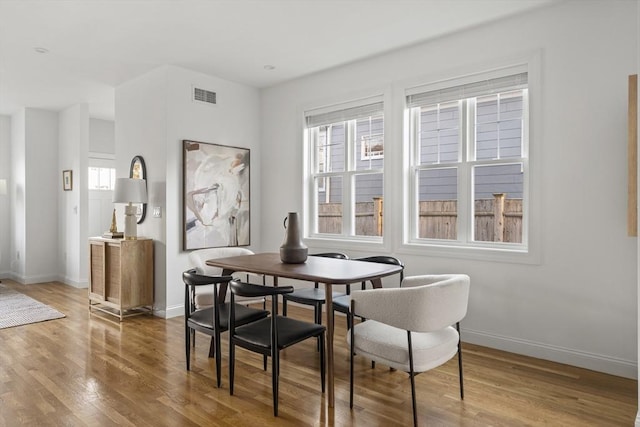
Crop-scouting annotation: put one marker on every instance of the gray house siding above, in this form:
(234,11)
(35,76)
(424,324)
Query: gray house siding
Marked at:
(498,135)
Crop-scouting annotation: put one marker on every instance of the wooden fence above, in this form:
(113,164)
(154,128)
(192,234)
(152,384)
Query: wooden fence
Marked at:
(496,220)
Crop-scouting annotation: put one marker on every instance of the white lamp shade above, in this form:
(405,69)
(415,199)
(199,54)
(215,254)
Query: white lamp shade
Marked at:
(130,190)
(3,187)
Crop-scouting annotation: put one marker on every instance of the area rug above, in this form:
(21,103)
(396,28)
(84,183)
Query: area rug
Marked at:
(17,309)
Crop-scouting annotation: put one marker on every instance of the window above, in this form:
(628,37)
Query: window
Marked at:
(345,170)
(468,162)
(101,178)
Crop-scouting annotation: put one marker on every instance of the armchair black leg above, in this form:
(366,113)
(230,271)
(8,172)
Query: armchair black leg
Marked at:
(460,362)
(349,315)
(413,382)
(212,348)
(284,306)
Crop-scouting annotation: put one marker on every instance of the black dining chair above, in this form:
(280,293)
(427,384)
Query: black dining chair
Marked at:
(212,320)
(342,303)
(313,296)
(269,335)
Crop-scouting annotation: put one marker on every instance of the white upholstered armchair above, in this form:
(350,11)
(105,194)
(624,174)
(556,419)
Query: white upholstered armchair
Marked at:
(198,259)
(410,328)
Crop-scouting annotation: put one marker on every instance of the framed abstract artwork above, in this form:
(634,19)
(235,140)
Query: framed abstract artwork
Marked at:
(216,208)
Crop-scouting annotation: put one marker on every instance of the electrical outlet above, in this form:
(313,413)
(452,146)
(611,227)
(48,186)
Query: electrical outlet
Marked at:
(157,212)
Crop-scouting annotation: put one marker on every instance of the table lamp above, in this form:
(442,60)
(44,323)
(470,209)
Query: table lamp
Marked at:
(130,190)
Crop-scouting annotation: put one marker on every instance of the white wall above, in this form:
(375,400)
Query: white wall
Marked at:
(16,193)
(44,237)
(101,136)
(154,113)
(73,206)
(36,181)
(5,212)
(101,154)
(140,122)
(577,305)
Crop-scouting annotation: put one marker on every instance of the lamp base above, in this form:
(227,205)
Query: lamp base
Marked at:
(130,222)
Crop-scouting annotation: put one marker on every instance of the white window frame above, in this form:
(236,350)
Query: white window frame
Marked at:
(465,247)
(108,186)
(347,175)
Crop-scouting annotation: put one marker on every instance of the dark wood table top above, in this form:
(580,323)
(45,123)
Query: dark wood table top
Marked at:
(315,269)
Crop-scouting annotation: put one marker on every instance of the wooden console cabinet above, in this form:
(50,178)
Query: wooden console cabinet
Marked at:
(121,276)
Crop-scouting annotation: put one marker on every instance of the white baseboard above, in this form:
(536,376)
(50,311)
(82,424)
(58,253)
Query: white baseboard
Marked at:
(74,283)
(31,280)
(169,312)
(637,423)
(592,361)
(581,359)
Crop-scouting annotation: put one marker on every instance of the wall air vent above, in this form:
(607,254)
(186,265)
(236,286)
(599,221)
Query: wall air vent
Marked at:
(202,95)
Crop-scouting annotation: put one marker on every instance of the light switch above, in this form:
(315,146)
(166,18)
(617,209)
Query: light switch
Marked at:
(157,212)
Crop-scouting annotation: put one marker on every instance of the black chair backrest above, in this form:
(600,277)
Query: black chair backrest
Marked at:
(384,259)
(251,290)
(338,255)
(192,280)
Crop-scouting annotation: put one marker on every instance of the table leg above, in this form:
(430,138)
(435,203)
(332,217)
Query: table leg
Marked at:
(329,301)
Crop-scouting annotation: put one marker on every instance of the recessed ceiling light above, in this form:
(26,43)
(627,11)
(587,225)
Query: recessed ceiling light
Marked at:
(41,49)
(269,67)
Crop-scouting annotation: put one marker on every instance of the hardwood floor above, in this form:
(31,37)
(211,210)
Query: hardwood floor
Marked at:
(83,370)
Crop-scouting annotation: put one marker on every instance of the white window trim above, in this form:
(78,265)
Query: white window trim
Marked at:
(504,252)
(344,241)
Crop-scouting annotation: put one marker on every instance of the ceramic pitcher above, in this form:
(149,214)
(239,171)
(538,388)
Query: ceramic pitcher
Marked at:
(293,251)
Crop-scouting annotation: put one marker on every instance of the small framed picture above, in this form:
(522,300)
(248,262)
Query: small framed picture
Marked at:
(67,180)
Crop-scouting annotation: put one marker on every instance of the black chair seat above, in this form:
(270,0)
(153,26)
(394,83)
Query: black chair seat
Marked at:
(311,296)
(342,303)
(269,336)
(209,321)
(290,331)
(244,315)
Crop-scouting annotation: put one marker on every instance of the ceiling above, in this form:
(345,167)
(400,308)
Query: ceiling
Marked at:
(95,45)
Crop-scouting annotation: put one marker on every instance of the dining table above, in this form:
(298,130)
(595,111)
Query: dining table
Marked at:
(328,271)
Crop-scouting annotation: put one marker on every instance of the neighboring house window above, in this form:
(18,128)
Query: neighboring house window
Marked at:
(102,178)
(469,168)
(345,170)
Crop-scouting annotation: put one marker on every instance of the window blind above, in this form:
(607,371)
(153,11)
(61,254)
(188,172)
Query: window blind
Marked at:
(336,116)
(468,90)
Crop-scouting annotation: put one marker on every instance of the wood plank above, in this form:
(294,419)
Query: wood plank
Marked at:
(83,370)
